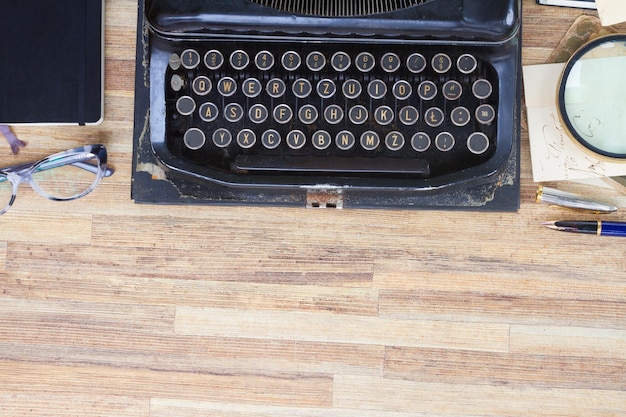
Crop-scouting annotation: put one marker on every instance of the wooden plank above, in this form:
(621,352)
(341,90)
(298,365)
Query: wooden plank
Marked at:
(43,225)
(425,398)
(147,282)
(569,341)
(561,308)
(540,369)
(340,329)
(3,256)
(305,390)
(22,404)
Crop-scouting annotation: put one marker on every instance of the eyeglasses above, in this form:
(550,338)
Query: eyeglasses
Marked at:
(63,176)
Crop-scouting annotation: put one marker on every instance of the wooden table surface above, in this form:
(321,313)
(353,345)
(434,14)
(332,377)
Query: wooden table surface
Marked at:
(110,308)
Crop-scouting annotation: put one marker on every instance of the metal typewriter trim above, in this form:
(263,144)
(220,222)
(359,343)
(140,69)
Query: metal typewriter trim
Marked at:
(338,8)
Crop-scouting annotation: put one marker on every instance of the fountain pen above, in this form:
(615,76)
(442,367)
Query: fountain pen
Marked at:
(599,227)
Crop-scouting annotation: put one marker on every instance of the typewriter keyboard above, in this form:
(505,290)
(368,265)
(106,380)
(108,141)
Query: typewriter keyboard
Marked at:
(333,110)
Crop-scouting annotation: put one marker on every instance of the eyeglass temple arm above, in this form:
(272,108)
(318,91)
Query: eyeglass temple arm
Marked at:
(54,164)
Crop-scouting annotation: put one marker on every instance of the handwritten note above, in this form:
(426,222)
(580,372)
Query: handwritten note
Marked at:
(611,11)
(555,156)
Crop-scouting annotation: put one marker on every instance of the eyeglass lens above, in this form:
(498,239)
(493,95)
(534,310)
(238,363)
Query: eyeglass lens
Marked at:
(66,178)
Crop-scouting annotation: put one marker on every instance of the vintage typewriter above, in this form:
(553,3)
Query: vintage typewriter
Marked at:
(329,103)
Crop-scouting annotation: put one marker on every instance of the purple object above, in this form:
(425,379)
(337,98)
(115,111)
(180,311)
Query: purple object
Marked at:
(12,139)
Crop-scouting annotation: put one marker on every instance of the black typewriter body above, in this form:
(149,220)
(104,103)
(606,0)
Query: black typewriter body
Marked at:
(407,103)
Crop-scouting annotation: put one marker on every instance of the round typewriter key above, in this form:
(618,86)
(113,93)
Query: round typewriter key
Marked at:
(321,139)
(174,62)
(452,90)
(190,58)
(208,112)
(441,63)
(427,90)
(270,139)
(301,88)
(434,117)
(358,114)
(282,114)
(478,143)
(227,86)
(390,62)
(466,63)
(377,89)
(370,140)
(340,61)
(365,62)
(420,142)
(444,141)
(482,88)
(264,60)
(222,138)
(246,138)
(295,139)
(239,59)
(315,61)
(233,112)
(276,88)
(177,83)
(416,63)
(402,90)
(383,115)
(185,105)
(291,60)
(408,115)
(213,59)
(333,114)
(394,141)
(460,116)
(194,138)
(201,85)
(258,113)
(251,87)
(345,140)
(326,88)
(308,114)
(485,114)
(351,88)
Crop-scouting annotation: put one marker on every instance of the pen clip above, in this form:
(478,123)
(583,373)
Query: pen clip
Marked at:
(554,197)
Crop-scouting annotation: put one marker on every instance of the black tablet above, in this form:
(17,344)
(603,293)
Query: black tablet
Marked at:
(51,62)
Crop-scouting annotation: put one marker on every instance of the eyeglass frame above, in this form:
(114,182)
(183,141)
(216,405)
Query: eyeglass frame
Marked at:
(18,174)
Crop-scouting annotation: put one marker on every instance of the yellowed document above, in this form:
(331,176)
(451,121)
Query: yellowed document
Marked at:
(611,11)
(555,155)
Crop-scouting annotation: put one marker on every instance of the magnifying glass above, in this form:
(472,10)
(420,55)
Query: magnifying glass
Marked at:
(592,96)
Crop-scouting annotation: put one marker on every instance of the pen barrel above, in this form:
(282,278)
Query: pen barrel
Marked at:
(613,229)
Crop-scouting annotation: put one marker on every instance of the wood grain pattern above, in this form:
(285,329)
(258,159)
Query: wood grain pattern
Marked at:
(108,308)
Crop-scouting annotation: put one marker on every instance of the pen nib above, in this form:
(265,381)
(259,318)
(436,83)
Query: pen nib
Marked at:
(551,225)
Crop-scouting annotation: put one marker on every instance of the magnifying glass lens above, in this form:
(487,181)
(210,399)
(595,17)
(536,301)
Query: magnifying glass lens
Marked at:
(592,96)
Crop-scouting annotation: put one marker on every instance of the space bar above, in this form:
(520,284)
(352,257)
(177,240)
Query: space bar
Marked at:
(340,165)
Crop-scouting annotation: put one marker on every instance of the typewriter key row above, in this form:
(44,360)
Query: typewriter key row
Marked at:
(327,88)
(316,61)
(334,114)
(194,138)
